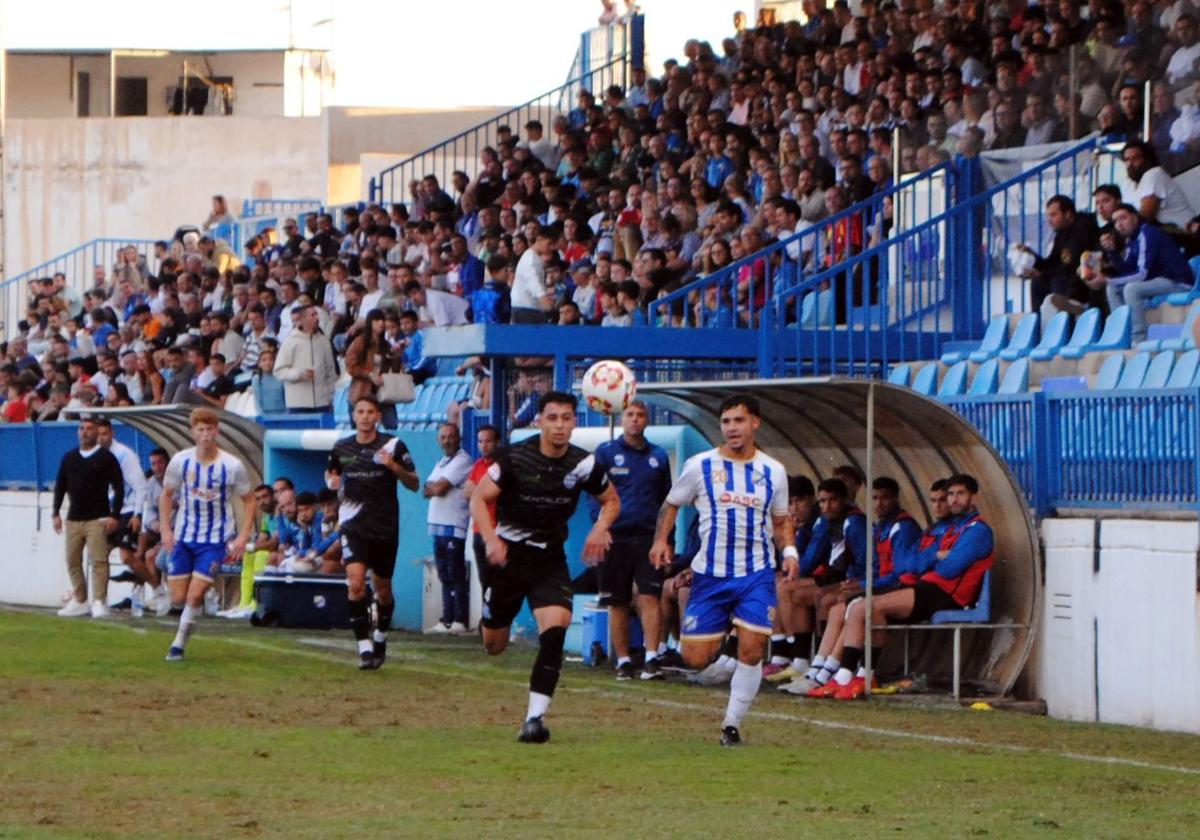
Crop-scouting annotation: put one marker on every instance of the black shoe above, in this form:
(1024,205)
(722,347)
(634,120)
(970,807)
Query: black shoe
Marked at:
(730,737)
(175,612)
(124,577)
(380,653)
(534,731)
(671,659)
(125,604)
(368,662)
(625,671)
(651,671)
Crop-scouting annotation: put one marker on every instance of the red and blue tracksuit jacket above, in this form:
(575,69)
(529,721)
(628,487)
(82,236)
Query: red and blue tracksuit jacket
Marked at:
(970,543)
(895,548)
(925,557)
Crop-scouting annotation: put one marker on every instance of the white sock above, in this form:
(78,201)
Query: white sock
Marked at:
(799,665)
(815,667)
(843,676)
(662,648)
(187,623)
(622,660)
(651,655)
(726,663)
(365,646)
(742,689)
(538,704)
(827,670)
(780,660)
(862,672)
(379,636)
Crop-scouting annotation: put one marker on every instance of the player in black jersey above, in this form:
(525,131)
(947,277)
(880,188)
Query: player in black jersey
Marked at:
(364,469)
(536,485)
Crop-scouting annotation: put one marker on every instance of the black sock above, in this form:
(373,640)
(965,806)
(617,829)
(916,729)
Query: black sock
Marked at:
(803,646)
(383,616)
(360,618)
(729,646)
(546,668)
(876,655)
(781,648)
(851,657)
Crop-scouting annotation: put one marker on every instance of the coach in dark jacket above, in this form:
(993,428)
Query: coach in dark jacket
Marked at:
(1058,272)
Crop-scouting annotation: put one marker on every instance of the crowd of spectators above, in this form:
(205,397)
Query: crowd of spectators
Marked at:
(624,199)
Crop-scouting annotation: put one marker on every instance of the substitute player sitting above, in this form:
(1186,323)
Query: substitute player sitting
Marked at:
(206,479)
(535,486)
(741,499)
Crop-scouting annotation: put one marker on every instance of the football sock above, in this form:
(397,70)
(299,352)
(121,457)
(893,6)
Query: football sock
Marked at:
(360,623)
(815,667)
(383,619)
(778,648)
(726,663)
(827,670)
(187,623)
(544,677)
(800,665)
(851,659)
(662,648)
(742,689)
(843,676)
(622,660)
(803,647)
(651,655)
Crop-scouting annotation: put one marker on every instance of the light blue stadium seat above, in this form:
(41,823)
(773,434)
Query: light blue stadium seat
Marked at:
(1116,336)
(954,383)
(987,378)
(817,310)
(925,382)
(1183,339)
(1135,372)
(1087,328)
(1064,383)
(978,613)
(1054,336)
(341,407)
(992,344)
(900,375)
(1184,298)
(1160,370)
(1110,373)
(1186,367)
(1016,378)
(1021,341)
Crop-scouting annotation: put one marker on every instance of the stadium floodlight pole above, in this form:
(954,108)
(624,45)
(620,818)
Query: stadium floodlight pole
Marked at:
(870,511)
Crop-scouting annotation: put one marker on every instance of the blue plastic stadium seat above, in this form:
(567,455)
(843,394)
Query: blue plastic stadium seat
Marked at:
(1064,383)
(954,383)
(925,382)
(1184,338)
(1054,336)
(1016,378)
(1185,370)
(1135,372)
(987,378)
(992,344)
(1116,336)
(900,375)
(1021,341)
(1087,328)
(1159,371)
(341,407)
(1110,373)
(979,613)
(817,309)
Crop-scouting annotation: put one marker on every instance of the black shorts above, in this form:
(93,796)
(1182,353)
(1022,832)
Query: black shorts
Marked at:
(628,562)
(379,555)
(929,599)
(530,573)
(123,538)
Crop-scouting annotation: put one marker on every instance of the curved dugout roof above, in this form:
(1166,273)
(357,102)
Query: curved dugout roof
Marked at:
(814,425)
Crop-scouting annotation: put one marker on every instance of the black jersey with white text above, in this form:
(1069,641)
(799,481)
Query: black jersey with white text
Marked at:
(538,493)
(369,507)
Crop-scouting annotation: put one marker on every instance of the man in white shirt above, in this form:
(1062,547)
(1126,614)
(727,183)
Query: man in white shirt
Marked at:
(1156,195)
(436,308)
(447,520)
(531,299)
(539,145)
(1182,69)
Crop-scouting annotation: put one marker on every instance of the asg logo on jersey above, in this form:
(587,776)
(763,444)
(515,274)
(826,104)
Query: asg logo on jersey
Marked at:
(742,499)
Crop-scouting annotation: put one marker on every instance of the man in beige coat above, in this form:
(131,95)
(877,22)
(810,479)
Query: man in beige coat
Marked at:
(306,365)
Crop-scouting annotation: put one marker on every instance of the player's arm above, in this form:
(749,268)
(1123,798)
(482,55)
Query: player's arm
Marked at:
(401,465)
(599,539)
(484,496)
(249,507)
(661,551)
(785,541)
(166,510)
(436,488)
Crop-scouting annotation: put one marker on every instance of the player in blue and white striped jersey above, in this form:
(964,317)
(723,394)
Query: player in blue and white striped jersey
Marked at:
(206,479)
(741,500)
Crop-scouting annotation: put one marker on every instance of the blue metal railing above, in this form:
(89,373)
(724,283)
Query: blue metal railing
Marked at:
(600,46)
(278,206)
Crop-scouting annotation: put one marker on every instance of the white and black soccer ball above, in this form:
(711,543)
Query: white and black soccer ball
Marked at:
(609,387)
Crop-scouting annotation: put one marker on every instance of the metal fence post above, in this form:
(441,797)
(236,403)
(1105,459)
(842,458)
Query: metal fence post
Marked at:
(371,191)
(1046,474)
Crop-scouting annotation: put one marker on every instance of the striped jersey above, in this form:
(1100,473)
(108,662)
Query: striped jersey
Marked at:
(735,502)
(205,494)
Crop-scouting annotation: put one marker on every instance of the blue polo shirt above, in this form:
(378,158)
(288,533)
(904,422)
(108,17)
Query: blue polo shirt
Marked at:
(642,478)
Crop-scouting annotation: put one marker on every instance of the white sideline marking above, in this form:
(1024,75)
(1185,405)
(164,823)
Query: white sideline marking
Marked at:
(945,740)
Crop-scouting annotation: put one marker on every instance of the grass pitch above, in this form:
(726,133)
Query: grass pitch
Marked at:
(276,734)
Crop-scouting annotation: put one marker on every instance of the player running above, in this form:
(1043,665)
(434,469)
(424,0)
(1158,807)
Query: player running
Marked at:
(206,479)
(741,500)
(364,468)
(535,486)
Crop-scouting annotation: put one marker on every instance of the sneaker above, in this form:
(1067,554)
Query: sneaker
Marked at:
(672,659)
(779,673)
(713,675)
(99,610)
(458,629)
(74,609)
(174,611)
(237,613)
(161,601)
(652,671)
(855,689)
(175,654)
(826,691)
(533,731)
(123,604)
(799,686)
(124,577)
(625,671)
(380,653)
(730,737)
(367,661)
(439,629)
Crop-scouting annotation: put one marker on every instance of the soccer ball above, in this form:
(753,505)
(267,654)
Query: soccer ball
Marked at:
(609,387)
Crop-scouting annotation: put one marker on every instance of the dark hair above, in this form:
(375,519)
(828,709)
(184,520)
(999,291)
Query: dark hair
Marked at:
(1065,204)
(266,487)
(557,398)
(835,486)
(1108,189)
(851,471)
(743,400)
(963,480)
(368,398)
(408,313)
(158,450)
(287,482)
(800,486)
(103,422)
(938,486)
(307,497)
(886,483)
(488,427)
(1126,206)
(325,495)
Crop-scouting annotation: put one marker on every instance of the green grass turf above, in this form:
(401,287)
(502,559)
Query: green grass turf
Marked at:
(272,733)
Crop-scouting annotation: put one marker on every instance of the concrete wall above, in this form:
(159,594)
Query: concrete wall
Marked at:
(1121,629)
(68,181)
